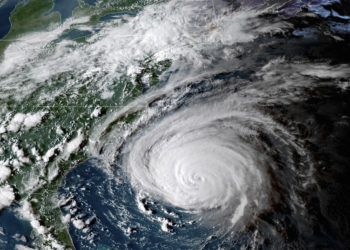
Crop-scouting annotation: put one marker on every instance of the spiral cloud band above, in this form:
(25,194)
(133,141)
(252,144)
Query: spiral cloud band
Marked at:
(210,144)
(199,161)
(207,148)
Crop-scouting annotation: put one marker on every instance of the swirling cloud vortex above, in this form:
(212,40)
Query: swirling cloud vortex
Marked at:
(202,159)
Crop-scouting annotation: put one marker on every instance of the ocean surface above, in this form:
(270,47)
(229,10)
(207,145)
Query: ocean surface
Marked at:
(5,12)
(64,7)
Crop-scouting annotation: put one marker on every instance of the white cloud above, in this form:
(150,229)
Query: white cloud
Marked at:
(184,31)
(7,196)
(33,120)
(16,122)
(26,121)
(22,247)
(5,172)
(20,154)
(73,145)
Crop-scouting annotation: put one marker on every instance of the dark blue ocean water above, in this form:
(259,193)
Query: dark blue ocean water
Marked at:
(5,12)
(64,7)
(111,202)
(11,230)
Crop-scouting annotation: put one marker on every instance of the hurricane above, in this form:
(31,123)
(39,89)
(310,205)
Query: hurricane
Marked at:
(209,150)
(213,147)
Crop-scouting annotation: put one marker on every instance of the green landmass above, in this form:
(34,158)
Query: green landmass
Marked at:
(29,16)
(32,15)
(71,111)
